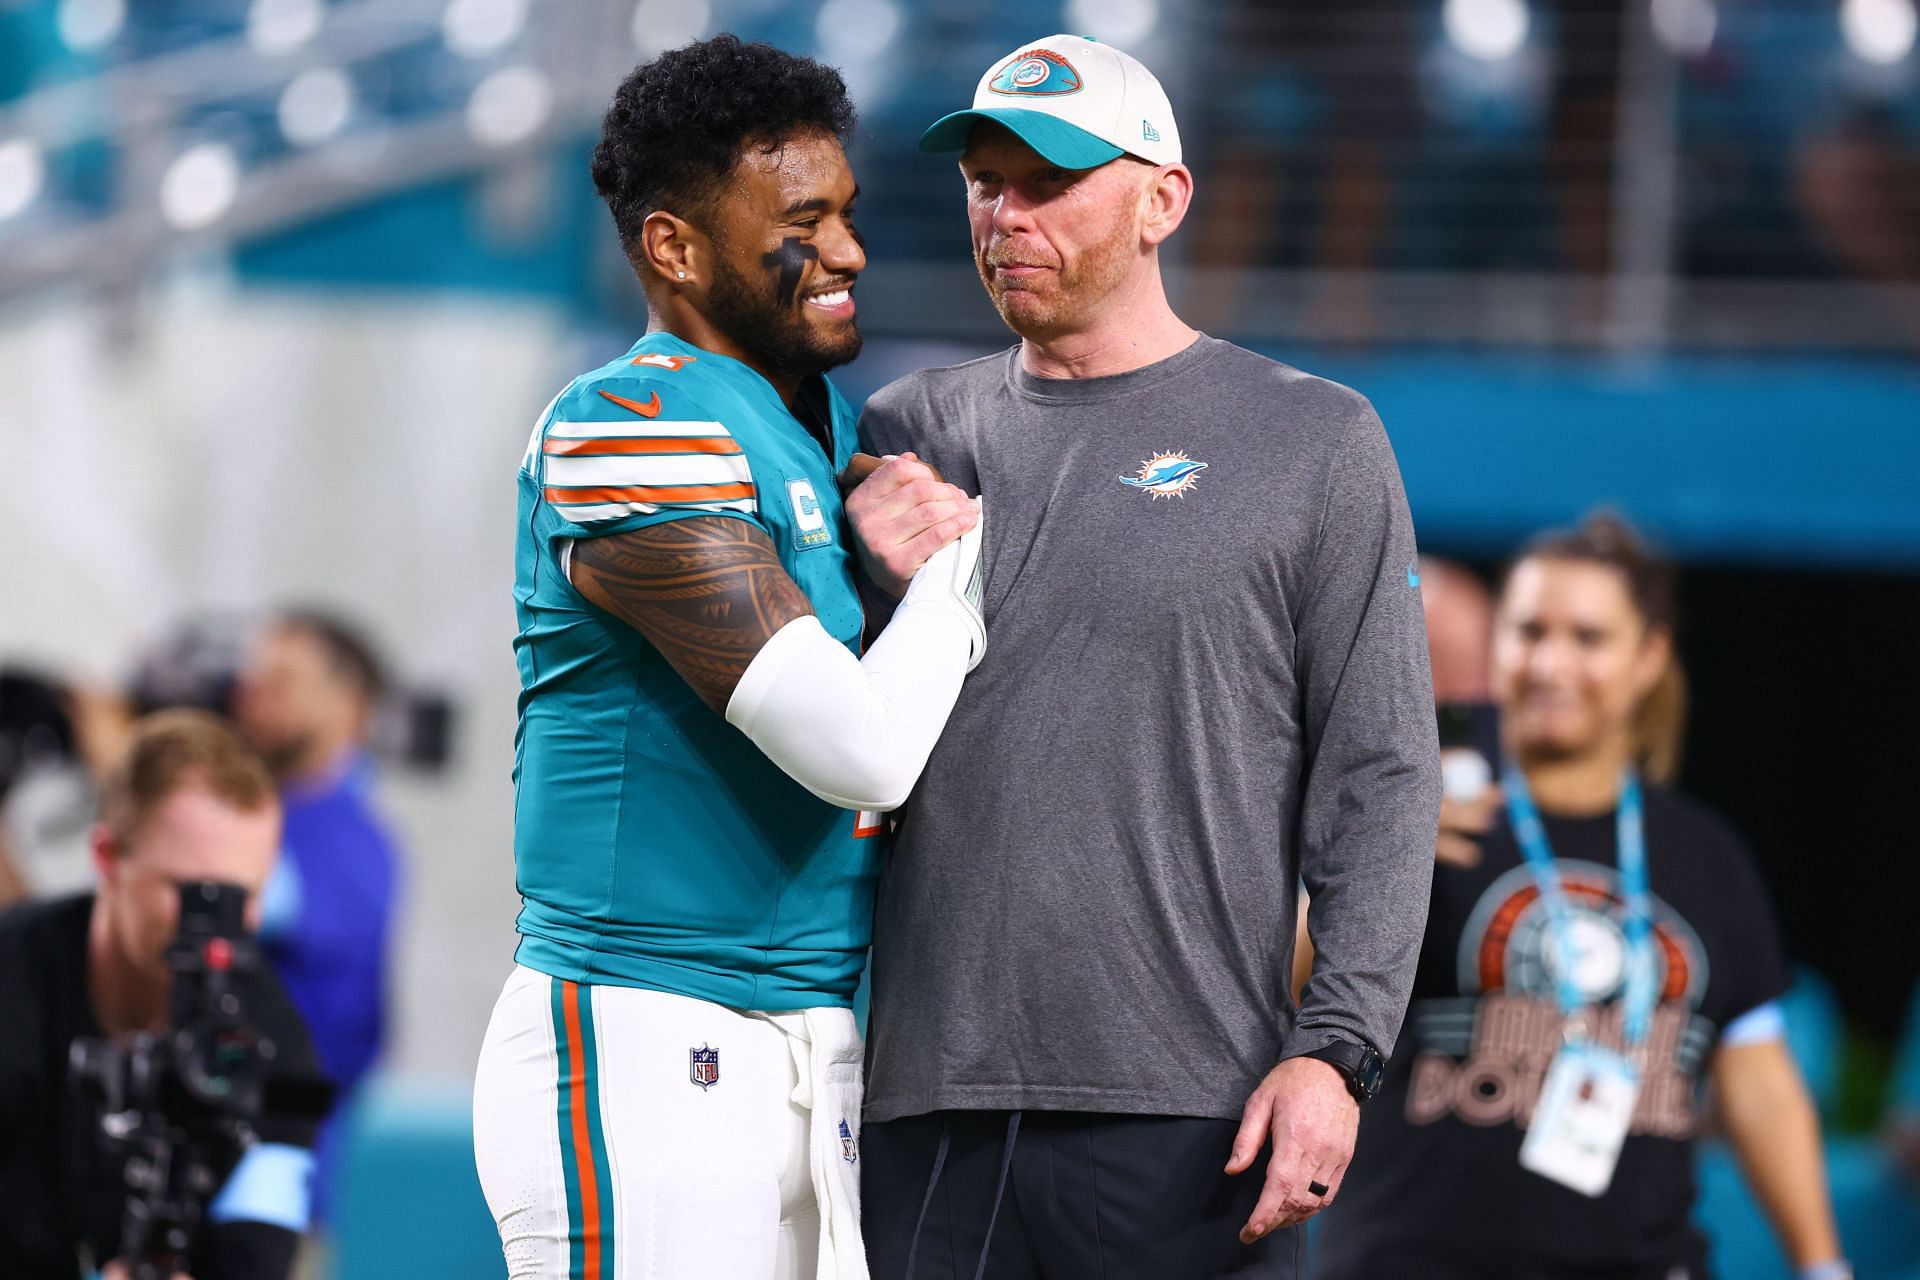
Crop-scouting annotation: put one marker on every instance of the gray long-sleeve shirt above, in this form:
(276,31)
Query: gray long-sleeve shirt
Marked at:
(1203,684)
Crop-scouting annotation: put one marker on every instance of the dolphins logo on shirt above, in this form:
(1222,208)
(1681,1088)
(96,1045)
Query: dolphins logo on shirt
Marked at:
(1166,475)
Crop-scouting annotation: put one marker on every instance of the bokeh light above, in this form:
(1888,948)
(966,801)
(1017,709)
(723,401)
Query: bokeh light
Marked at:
(23,171)
(315,105)
(1120,22)
(200,185)
(478,28)
(1490,30)
(87,25)
(660,25)
(509,106)
(280,26)
(856,30)
(1879,31)
(1686,27)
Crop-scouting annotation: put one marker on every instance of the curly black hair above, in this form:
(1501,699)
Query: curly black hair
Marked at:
(678,124)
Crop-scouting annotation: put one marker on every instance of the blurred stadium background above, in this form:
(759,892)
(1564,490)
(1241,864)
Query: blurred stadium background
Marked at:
(284,284)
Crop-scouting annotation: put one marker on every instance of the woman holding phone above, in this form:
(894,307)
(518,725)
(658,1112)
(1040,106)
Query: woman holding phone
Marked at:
(1605,951)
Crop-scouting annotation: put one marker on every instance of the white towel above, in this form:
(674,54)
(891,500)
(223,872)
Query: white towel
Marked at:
(827,1055)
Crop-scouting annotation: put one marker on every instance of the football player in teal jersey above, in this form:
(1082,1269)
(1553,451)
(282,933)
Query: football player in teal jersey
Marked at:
(670,1084)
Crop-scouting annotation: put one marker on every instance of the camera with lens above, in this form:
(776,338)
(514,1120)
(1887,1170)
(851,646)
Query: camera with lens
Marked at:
(178,1108)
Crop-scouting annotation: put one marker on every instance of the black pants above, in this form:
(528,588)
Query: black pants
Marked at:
(1065,1196)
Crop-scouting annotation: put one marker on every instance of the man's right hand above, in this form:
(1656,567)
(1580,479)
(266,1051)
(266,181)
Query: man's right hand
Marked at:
(901,514)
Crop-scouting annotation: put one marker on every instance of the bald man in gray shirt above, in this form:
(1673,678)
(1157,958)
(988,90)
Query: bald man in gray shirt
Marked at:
(1206,683)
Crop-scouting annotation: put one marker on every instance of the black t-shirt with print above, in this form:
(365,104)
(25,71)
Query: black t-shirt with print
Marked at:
(1436,1189)
(57,1187)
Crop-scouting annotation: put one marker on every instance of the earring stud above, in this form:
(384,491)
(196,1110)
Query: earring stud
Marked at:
(683,275)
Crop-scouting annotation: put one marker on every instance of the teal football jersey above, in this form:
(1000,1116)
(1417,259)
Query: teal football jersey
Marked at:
(655,845)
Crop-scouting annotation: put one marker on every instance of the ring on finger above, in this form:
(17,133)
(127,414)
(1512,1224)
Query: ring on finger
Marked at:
(1317,1188)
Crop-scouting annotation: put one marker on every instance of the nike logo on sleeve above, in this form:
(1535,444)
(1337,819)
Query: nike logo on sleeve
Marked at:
(650,408)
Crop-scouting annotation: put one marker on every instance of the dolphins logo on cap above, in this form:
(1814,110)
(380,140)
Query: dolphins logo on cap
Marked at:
(1036,71)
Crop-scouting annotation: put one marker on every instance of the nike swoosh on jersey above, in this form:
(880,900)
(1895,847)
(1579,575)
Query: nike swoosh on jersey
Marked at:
(650,408)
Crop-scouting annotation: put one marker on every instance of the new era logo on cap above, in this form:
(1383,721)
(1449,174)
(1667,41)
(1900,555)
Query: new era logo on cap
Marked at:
(1076,101)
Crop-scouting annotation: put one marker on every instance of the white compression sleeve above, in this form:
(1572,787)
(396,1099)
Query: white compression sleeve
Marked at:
(854,731)
(857,731)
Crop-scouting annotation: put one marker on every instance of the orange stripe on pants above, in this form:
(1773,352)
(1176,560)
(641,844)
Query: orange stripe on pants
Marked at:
(582,1143)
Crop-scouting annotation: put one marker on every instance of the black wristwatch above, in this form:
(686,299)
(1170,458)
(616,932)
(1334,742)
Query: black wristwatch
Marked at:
(1357,1062)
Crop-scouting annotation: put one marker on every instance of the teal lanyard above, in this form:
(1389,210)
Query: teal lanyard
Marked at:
(1631,835)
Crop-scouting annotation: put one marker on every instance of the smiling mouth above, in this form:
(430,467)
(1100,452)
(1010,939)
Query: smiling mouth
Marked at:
(837,300)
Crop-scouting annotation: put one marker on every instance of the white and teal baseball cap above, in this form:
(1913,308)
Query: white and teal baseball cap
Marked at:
(1076,101)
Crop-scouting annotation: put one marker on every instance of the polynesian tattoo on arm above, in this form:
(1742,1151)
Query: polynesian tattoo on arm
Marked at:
(707,592)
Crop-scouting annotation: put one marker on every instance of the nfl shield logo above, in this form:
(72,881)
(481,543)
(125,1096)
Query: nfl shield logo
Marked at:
(848,1151)
(703,1067)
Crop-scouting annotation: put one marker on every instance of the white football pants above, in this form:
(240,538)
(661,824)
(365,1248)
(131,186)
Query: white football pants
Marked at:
(623,1134)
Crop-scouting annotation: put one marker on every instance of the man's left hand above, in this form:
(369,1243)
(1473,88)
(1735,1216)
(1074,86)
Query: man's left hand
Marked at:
(1304,1107)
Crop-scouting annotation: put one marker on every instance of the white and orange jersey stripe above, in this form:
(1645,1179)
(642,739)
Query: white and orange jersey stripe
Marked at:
(600,471)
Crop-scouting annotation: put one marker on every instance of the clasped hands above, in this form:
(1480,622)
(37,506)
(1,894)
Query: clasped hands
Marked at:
(902,511)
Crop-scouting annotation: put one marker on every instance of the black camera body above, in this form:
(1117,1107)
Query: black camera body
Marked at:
(178,1109)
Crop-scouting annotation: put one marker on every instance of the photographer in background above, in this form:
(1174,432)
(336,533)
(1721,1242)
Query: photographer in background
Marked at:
(304,699)
(187,802)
